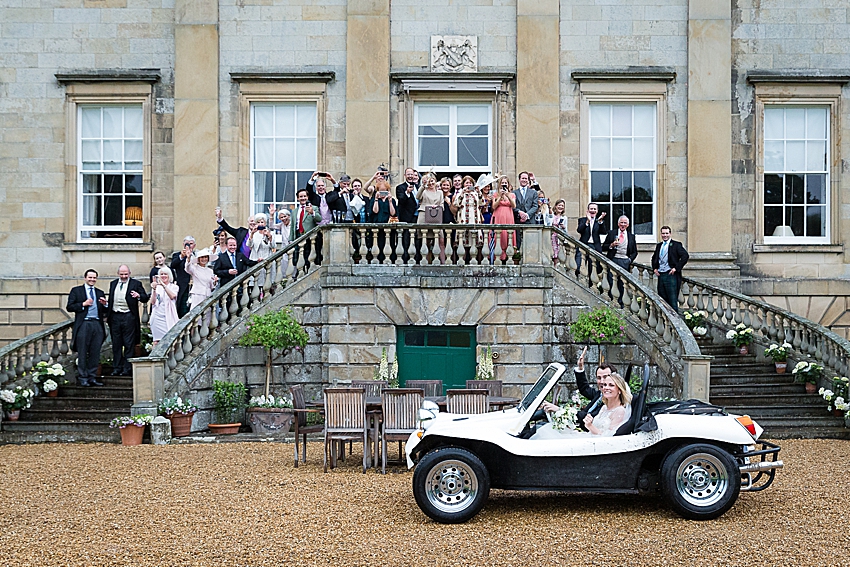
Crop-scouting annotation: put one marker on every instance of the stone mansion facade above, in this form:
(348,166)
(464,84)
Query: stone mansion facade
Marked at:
(124,123)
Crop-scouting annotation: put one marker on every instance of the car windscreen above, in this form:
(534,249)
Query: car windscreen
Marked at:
(532,394)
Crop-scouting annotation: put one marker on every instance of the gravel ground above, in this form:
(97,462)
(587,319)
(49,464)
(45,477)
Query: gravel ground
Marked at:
(243,504)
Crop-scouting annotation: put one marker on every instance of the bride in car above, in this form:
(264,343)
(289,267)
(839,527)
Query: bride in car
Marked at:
(616,410)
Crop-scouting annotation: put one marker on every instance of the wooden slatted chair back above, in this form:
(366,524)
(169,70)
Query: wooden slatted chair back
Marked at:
(373,387)
(345,410)
(493,387)
(400,407)
(431,388)
(298,402)
(467,401)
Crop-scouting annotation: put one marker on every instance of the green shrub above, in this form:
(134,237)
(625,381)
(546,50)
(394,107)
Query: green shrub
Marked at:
(599,325)
(229,399)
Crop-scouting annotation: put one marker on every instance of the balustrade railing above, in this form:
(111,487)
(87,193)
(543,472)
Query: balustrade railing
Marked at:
(52,345)
(604,279)
(770,324)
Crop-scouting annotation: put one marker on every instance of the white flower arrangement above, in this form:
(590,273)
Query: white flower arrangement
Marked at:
(567,416)
(485,370)
(807,372)
(42,370)
(7,396)
(741,335)
(270,402)
(49,385)
(778,353)
(18,399)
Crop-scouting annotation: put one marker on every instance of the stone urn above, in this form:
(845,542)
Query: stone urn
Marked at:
(270,421)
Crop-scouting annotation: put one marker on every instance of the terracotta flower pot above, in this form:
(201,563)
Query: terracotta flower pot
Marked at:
(744,349)
(132,434)
(837,413)
(780,367)
(224,428)
(53,393)
(811,388)
(270,421)
(181,424)
(13,415)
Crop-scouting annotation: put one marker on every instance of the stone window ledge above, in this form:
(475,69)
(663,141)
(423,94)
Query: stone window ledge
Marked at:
(107,247)
(814,248)
(109,76)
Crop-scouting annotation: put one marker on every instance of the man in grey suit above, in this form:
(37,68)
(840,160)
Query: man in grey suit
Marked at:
(526,199)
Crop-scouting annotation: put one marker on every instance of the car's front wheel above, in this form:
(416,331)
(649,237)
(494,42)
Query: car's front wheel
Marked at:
(700,481)
(451,485)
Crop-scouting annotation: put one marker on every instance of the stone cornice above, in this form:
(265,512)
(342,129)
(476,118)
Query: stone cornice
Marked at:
(625,74)
(450,77)
(284,76)
(808,76)
(109,75)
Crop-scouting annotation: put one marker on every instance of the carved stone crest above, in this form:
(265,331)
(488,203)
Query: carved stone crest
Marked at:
(454,53)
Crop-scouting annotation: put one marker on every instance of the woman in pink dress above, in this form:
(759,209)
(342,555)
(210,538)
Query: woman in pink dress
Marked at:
(503,213)
(203,279)
(163,304)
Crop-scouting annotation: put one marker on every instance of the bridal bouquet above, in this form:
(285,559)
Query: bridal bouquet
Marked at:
(567,416)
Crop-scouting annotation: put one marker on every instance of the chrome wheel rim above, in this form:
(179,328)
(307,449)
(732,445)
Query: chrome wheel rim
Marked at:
(702,479)
(451,486)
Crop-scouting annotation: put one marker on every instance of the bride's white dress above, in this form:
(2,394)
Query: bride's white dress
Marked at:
(607,421)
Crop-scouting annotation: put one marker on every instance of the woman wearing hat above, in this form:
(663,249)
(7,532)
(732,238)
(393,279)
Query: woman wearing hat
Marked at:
(163,303)
(204,279)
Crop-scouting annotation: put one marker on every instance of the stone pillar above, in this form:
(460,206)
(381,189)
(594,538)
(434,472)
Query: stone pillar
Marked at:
(148,377)
(195,135)
(710,138)
(367,86)
(538,87)
(696,381)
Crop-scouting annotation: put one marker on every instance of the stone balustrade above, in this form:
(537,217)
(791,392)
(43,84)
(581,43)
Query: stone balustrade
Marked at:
(51,345)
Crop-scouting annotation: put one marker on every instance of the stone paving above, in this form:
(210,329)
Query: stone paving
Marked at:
(243,504)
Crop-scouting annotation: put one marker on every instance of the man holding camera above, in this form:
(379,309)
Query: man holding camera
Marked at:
(178,267)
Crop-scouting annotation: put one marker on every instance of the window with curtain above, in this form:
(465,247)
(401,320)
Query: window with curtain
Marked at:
(453,137)
(796,178)
(283,152)
(623,163)
(110,166)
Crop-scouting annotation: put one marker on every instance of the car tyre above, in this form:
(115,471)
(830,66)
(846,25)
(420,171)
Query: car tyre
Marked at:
(451,485)
(700,481)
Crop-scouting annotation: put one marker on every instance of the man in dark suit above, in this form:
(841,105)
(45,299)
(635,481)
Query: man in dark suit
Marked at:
(88,304)
(621,247)
(125,294)
(667,262)
(408,207)
(591,232)
(232,263)
(181,277)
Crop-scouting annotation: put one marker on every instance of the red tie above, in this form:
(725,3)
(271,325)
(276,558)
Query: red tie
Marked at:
(301,221)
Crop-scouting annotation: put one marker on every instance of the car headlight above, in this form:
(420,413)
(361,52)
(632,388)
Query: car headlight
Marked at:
(427,414)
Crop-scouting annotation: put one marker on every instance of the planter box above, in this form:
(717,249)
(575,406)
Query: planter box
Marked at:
(270,421)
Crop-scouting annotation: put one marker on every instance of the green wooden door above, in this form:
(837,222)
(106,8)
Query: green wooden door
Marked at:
(436,353)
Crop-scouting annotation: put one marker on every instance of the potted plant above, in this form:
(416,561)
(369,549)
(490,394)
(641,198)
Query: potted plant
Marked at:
(695,320)
(229,401)
(145,342)
(132,427)
(807,373)
(277,330)
(838,398)
(270,415)
(741,336)
(15,400)
(45,375)
(779,355)
(180,412)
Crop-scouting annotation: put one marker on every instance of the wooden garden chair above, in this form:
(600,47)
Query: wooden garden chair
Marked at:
(345,420)
(432,388)
(301,410)
(373,387)
(467,401)
(493,387)
(400,408)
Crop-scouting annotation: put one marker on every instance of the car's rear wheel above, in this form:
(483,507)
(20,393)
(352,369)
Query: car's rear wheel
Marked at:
(451,485)
(700,481)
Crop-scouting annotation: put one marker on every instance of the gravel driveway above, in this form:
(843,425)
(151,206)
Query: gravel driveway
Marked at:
(243,504)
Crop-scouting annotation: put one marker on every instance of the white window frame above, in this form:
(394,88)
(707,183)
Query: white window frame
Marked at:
(253,137)
(81,173)
(453,137)
(799,95)
(617,92)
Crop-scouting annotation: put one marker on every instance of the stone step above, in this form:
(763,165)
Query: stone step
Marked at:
(759,412)
(44,403)
(723,369)
(759,389)
(754,378)
(44,434)
(768,399)
(73,415)
(95,392)
(110,380)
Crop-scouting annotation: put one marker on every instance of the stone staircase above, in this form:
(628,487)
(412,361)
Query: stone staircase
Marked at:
(743,385)
(77,414)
